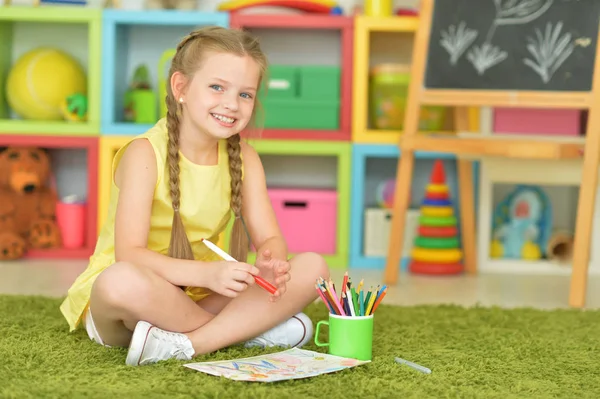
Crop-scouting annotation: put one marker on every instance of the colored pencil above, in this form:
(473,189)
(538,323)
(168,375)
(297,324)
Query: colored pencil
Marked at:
(350,301)
(378,301)
(259,280)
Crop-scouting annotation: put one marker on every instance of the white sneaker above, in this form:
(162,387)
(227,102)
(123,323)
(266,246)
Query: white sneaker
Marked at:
(150,344)
(294,332)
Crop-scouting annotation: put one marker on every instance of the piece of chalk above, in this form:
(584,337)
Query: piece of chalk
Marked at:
(413,365)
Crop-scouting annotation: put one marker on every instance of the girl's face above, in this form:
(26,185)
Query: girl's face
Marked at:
(220,98)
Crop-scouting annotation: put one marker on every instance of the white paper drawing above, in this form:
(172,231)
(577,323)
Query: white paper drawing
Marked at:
(457,39)
(549,51)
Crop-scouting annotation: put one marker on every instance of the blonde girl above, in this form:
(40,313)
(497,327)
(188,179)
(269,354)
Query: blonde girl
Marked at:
(151,283)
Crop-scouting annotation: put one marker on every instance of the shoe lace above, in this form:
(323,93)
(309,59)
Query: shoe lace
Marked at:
(180,345)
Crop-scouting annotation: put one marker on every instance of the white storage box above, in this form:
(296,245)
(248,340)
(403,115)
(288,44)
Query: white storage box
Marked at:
(377,231)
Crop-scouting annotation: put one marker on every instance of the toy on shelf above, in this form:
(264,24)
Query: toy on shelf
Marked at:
(171,4)
(309,6)
(437,248)
(140,100)
(292,92)
(27,203)
(74,108)
(163,65)
(41,80)
(522,224)
(388,97)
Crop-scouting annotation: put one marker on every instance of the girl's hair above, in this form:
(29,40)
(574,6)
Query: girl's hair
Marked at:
(187,60)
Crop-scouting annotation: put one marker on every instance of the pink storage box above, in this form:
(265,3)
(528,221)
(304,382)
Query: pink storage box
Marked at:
(307,218)
(537,121)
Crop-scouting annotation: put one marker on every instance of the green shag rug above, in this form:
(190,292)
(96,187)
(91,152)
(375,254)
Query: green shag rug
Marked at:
(472,352)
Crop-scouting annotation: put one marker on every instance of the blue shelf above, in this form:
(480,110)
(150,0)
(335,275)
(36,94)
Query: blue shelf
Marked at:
(132,38)
(360,154)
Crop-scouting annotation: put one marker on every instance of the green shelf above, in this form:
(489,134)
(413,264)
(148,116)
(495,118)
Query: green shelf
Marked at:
(50,14)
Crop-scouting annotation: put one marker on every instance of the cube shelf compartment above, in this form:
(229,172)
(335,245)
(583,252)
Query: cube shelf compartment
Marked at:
(373,164)
(342,152)
(26,28)
(310,25)
(85,157)
(133,38)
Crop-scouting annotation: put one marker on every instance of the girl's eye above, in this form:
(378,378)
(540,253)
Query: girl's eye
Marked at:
(216,87)
(246,95)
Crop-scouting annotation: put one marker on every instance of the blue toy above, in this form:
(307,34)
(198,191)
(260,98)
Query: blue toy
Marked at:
(522,224)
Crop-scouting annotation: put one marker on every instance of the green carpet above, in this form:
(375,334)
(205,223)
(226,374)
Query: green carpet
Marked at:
(476,352)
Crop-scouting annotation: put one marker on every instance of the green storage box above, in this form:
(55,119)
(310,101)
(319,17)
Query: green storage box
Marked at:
(281,82)
(301,114)
(318,82)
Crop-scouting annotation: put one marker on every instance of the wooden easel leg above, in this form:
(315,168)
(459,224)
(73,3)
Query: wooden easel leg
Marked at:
(404,174)
(467,214)
(466,194)
(585,211)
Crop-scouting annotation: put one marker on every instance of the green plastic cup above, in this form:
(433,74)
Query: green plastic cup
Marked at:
(349,336)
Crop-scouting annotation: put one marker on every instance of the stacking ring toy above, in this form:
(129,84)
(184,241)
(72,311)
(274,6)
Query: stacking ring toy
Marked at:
(437,220)
(436,202)
(437,188)
(437,211)
(441,231)
(436,242)
(436,256)
(435,268)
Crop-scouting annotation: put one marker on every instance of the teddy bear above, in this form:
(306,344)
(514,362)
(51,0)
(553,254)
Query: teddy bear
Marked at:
(172,4)
(27,202)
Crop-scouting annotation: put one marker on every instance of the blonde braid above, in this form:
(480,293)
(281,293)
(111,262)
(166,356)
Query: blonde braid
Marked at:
(239,241)
(179,246)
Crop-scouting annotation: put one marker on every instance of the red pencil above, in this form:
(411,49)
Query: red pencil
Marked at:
(378,301)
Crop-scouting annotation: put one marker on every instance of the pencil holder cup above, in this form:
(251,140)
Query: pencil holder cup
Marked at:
(349,336)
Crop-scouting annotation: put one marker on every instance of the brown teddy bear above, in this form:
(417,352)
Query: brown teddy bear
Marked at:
(27,203)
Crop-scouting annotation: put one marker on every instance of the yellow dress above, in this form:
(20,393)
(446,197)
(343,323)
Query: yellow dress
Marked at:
(205,210)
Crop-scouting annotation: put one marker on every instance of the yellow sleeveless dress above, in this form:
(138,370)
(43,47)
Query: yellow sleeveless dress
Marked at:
(205,210)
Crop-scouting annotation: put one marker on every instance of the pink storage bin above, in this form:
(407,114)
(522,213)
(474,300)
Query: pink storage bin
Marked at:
(307,218)
(534,121)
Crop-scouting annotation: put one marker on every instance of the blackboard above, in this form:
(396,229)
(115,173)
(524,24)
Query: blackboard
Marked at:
(492,45)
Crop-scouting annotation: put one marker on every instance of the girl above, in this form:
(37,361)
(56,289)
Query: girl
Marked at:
(152,283)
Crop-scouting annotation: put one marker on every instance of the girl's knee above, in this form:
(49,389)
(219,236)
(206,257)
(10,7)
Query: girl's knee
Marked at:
(313,265)
(122,283)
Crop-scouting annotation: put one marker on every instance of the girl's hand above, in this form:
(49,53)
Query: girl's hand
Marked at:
(276,271)
(230,278)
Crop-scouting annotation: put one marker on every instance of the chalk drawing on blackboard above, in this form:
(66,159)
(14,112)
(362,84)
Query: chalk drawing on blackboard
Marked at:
(457,39)
(549,51)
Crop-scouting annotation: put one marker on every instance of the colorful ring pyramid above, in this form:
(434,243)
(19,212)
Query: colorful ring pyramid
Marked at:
(437,248)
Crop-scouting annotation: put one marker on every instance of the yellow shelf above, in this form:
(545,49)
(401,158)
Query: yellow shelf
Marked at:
(386,24)
(386,136)
(109,145)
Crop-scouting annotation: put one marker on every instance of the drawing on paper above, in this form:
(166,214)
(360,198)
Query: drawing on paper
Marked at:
(549,51)
(287,365)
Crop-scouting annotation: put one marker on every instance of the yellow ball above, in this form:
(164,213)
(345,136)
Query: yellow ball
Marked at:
(41,80)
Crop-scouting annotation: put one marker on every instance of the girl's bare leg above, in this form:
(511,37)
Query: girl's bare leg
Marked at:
(251,313)
(124,293)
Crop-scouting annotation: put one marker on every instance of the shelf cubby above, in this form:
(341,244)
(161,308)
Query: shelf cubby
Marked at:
(559,181)
(337,176)
(134,38)
(375,163)
(76,32)
(74,161)
(293,40)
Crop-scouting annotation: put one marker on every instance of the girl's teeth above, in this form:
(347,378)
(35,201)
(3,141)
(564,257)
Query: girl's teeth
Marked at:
(223,118)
